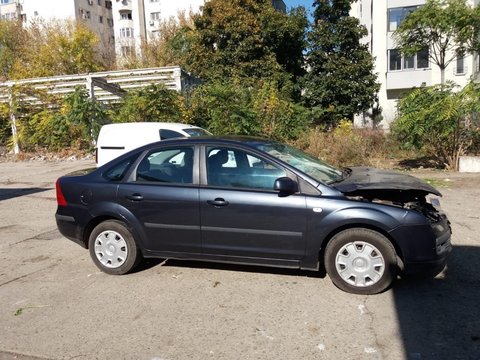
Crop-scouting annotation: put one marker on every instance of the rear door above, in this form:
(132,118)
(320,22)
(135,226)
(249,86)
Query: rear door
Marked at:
(163,196)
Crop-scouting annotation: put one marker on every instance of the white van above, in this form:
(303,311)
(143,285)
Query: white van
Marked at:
(117,139)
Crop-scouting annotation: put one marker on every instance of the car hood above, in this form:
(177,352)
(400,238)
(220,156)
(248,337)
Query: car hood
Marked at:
(362,179)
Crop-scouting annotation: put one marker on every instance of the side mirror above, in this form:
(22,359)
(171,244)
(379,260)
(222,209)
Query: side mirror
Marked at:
(285,186)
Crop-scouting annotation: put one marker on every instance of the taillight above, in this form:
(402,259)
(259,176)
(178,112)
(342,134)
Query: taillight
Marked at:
(96,155)
(60,198)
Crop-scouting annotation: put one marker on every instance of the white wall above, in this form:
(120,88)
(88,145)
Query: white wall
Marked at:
(59,9)
(167,9)
(394,84)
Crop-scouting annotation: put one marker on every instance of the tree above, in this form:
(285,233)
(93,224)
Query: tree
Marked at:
(248,39)
(57,48)
(439,121)
(340,82)
(229,107)
(448,28)
(13,47)
(152,103)
(167,48)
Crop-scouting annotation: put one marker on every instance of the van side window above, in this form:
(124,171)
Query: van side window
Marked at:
(169,134)
(172,165)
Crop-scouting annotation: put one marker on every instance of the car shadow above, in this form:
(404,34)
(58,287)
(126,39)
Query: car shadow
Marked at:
(10,193)
(440,318)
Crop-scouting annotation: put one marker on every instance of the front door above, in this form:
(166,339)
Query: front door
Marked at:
(241,214)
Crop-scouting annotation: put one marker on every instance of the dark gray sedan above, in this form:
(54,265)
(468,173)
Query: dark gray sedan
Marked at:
(254,201)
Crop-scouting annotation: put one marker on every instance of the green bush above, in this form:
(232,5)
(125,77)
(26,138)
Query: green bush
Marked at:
(440,122)
(154,103)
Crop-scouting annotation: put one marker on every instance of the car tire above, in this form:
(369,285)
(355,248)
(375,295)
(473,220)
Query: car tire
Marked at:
(113,248)
(361,261)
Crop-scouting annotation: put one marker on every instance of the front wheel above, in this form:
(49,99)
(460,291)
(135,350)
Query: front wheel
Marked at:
(113,248)
(361,261)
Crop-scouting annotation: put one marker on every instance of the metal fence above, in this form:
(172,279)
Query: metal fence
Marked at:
(106,86)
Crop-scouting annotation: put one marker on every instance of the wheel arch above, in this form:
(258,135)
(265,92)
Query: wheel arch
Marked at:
(380,230)
(115,212)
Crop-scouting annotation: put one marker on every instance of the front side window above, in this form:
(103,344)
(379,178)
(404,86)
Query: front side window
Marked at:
(234,168)
(173,165)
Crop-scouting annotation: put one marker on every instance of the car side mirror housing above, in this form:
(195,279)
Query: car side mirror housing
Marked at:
(285,185)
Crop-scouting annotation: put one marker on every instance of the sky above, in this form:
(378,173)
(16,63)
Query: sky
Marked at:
(292,3)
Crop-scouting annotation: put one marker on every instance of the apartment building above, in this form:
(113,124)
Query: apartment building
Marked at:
(397,73)
(121,25)
(139,20)
(96,14)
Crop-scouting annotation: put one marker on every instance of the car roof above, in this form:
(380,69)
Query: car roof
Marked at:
(249,141)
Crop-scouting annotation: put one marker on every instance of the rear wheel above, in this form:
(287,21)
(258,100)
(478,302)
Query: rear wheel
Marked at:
(361,261)
(113,248)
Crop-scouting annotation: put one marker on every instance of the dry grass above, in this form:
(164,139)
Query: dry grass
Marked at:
(346,146)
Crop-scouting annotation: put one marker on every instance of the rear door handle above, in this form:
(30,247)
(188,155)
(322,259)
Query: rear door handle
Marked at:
(218,202)
(135,197)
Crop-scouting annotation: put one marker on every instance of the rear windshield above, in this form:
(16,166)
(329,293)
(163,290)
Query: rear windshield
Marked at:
(197,132)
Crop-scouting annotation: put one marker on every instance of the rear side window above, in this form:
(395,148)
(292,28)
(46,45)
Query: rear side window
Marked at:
(169,134)
(118,171)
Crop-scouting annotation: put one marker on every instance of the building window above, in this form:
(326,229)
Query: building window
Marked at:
(422,59)
(397,15)
(155,16)
(6,1)
(397,62)
(9,16)
(100,19)
(460,65)
(99,2)
(108,4)
(154,1)
(127,51)
(394,60)
(126,32)
(110,22)
(409,62)
(126,15)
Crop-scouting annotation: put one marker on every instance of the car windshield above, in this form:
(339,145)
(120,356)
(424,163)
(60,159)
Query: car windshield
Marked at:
(197,132)
(308,164)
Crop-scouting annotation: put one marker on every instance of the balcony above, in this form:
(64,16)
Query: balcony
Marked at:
(407,79)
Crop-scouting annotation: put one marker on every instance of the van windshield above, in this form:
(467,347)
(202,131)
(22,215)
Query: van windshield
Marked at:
(197,132)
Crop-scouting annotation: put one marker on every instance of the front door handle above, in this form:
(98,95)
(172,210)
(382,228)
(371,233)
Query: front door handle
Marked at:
(135,197)
(218,202)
